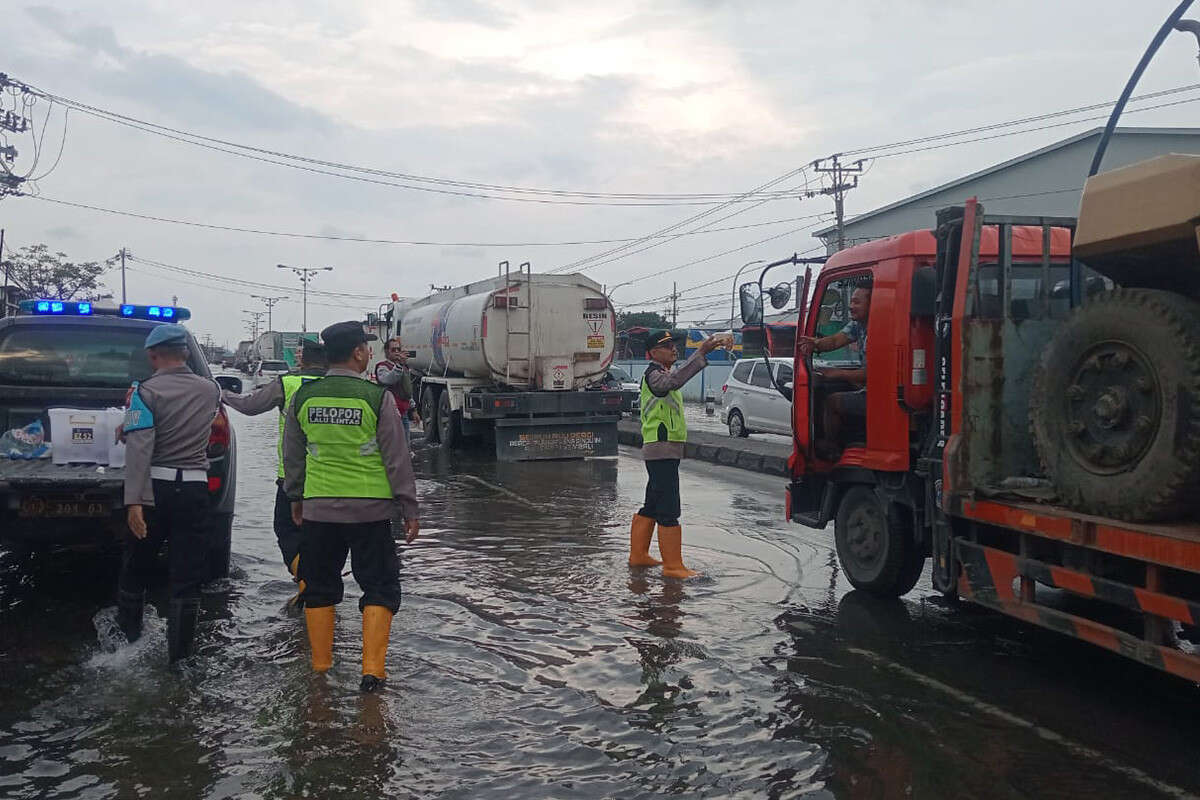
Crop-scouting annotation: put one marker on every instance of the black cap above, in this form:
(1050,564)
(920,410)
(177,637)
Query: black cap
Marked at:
(342,335)
(658,337)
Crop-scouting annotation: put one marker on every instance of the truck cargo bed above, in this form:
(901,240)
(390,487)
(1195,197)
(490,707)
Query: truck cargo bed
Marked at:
(42,473)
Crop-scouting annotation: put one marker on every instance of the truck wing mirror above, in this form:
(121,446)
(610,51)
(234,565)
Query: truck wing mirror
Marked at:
(750,297)
(230,383)
(780,295)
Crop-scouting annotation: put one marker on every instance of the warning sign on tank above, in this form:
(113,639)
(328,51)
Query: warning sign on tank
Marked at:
(596,342)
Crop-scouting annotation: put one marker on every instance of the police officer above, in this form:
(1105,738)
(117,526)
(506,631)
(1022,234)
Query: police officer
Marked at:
(664,438)
(277,395)
(166,432)
(346,465)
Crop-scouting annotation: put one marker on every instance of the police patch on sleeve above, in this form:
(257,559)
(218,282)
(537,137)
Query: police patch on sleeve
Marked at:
(324,415)
(138,416)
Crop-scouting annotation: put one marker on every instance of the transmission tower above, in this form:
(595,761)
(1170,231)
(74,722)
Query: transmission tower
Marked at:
(270,303)
(255,319)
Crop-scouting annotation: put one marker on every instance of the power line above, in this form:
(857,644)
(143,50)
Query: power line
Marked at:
(284,159)
(373,240)
(216,288)
(242,281)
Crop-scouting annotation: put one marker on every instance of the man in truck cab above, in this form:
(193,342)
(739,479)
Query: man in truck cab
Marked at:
(842,407)
(166,432)
(277,394)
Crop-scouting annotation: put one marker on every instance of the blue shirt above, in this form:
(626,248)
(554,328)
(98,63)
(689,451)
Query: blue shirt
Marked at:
(856,332)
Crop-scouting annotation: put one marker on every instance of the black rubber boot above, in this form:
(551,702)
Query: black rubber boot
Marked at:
(130,607)
(182,614)
(370,683)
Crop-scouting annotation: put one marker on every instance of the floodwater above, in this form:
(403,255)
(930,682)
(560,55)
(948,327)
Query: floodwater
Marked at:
(527,661)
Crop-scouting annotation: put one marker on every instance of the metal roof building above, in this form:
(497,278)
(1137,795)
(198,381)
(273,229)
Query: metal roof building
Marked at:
(1048,182)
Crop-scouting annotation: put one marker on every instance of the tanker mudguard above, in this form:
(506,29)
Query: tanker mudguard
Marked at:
(138,417)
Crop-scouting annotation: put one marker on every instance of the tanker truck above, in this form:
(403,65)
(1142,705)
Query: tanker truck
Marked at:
(517,359)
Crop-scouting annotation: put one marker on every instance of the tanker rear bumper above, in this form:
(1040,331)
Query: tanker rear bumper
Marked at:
(503,405)
(543,438)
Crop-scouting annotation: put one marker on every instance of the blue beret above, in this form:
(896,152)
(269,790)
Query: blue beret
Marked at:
(166,334)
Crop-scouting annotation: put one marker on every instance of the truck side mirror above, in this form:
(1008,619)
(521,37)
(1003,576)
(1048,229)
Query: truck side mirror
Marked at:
(780,295)
(750,297)
(230,383)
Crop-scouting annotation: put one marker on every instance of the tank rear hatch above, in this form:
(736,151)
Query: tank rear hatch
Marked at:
(1137,224)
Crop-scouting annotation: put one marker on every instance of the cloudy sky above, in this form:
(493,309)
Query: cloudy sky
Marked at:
(699,96)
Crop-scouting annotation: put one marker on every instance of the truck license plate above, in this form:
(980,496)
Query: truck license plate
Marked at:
(42,506)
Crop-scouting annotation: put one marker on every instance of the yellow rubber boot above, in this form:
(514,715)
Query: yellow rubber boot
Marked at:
(377,627)
(639,542)
(320,636)
(294,568)
(670,544)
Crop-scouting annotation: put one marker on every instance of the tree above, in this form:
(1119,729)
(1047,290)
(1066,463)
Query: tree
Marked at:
(41,273)
(641,319)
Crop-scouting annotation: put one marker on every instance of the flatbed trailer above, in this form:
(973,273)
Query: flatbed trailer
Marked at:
(1006,549)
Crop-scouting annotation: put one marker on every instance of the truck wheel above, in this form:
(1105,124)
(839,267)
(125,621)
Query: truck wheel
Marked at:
(448,422)
(872,544)
(220,546)
(737,425)
(1115,406)
(429,422)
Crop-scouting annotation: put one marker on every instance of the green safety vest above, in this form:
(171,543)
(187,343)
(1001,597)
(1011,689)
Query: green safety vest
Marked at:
(339,416)
(290,384)
(659,412)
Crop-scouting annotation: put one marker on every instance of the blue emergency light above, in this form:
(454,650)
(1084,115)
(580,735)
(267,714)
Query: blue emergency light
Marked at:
(66,308)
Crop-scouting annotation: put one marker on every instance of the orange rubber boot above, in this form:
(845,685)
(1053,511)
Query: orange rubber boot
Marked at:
(377,627)
(670,544)
(639,542)
(298,600)
(320,636)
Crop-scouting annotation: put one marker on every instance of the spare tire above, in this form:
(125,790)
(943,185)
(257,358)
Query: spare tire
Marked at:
(1115,406)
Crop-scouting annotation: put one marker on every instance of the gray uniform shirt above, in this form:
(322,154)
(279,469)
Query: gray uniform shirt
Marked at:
(661,382)
(183,405)
(397,460)
(264,398)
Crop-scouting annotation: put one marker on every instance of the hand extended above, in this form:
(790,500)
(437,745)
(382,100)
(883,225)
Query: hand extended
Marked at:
(807,345)
(137,522)
(297,512)
(412,527)
(713,342)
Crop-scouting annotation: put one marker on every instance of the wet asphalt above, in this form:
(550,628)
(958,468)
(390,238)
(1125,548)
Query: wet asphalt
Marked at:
(529,661)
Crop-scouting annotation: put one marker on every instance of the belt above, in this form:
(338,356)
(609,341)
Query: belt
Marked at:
(184,475)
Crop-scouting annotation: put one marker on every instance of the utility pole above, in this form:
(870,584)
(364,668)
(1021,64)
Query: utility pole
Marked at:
(4,288)
(674,303)
(306,275)
(840,172)
(256,316)
(123,276)
(270,303)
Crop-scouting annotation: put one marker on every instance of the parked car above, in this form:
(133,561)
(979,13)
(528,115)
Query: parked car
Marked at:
(750,403)
(268,371)
(78,357)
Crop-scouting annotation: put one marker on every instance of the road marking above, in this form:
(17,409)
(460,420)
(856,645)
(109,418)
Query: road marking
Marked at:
(1007,716)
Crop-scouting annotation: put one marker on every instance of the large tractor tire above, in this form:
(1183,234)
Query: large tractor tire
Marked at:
(1115,406)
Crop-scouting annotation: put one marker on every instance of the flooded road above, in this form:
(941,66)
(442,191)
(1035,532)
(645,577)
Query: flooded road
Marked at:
(527,661)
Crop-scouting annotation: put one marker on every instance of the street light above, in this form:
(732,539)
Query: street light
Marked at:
(736,278)
(305,274)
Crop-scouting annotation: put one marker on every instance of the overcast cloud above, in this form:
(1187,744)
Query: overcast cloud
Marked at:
(614,97)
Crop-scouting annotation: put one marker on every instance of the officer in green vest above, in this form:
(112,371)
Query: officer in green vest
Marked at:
(347,471)
(664,438)
(276,395)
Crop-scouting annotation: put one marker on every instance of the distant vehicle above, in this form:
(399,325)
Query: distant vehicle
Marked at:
(268,371)
(750,402)
(227,362)
(86,358)
(619,378)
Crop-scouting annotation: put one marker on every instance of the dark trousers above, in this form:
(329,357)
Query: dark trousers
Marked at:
(662,492)
(373,560)
(287,533)
(180,517)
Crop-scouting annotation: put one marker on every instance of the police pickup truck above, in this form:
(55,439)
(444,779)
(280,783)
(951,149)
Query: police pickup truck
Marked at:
(75,355)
